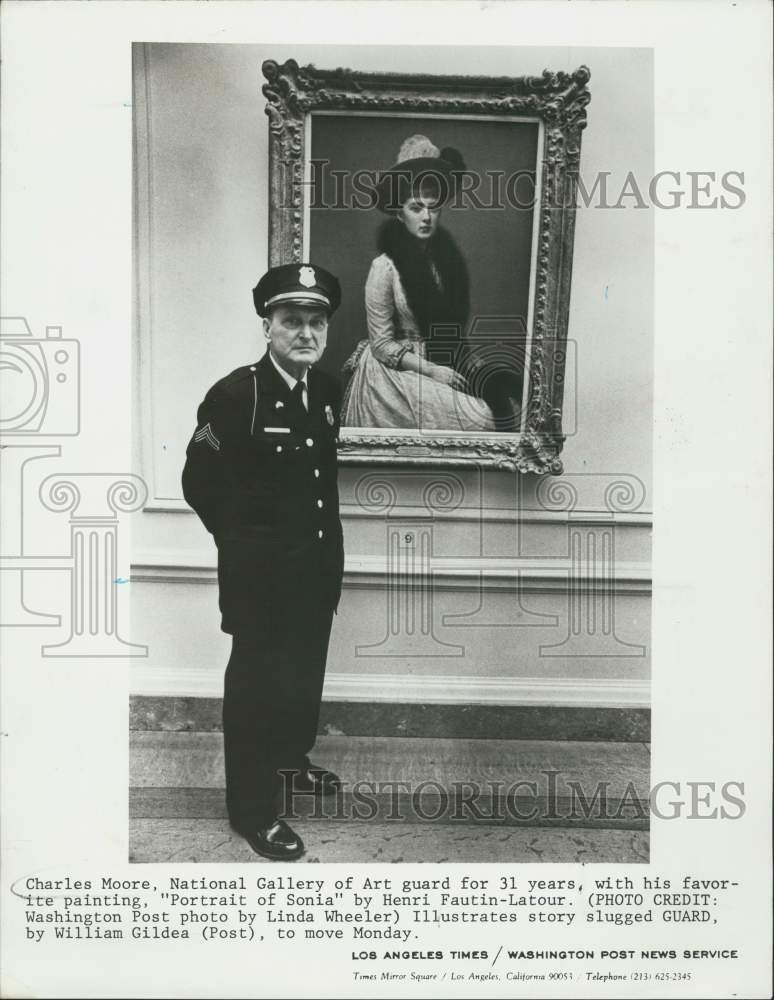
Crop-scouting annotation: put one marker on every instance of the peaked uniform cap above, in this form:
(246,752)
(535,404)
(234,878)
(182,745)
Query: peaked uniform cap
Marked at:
(297,284)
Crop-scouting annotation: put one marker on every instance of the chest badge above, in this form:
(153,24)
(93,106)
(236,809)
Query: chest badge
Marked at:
(329,416)
(279,405)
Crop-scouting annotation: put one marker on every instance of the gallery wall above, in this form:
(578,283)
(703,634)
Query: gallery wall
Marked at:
(495,618)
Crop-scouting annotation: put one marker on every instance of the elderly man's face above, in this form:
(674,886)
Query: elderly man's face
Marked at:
(297,336)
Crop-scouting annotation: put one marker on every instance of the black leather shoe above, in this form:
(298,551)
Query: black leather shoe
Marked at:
(277,842)
(315,779)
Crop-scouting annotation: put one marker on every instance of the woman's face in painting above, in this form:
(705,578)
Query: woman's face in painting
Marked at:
(420,215)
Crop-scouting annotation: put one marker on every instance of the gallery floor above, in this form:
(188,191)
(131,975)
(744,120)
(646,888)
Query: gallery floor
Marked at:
(405,798)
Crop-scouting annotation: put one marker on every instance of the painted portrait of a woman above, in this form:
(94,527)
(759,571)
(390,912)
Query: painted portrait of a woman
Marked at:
(435,253)
(417,283)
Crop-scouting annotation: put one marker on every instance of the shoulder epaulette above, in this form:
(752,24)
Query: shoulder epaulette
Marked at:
(233,378)
(246,371)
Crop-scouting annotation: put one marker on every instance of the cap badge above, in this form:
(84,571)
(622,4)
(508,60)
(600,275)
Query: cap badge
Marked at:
(307,277)
(329,415)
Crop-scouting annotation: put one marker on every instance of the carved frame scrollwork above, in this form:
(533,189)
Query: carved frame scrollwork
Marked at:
(559,101)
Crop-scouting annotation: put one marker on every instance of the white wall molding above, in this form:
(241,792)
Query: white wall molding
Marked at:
(454,690)
(403,689)
(509,574)
(143,263)
(506,515)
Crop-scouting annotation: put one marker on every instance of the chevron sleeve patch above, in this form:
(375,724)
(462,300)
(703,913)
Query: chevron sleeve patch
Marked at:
(207,435)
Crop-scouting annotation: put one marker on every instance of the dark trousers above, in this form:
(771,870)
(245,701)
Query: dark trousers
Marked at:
(271,703)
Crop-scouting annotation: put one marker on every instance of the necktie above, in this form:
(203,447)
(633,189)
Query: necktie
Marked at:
(297,396)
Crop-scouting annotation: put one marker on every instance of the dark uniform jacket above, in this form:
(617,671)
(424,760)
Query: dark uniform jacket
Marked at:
(262,475)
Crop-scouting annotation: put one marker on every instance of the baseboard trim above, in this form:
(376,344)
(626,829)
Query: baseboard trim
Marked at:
(401,719)
(432,690)
(453,690)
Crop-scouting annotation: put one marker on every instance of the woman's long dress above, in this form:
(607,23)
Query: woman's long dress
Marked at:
(382,395)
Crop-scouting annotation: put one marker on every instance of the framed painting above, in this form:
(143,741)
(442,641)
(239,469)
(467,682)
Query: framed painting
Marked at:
(446,207)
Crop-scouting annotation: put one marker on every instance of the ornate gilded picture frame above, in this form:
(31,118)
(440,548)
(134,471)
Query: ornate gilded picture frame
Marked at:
(333,133)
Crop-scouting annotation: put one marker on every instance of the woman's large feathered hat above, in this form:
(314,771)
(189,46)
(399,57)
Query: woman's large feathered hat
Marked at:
(420,164)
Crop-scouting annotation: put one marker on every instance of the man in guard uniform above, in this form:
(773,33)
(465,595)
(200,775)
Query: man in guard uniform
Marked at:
(261,474)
